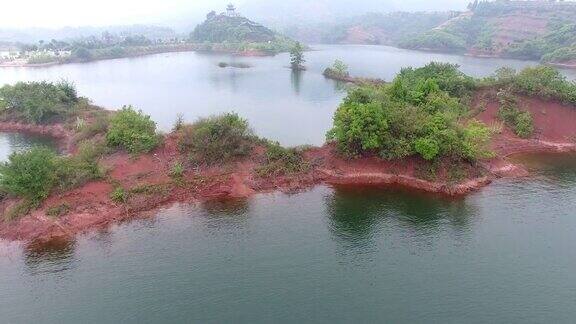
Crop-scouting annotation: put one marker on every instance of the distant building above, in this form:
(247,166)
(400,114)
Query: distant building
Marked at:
(231,11)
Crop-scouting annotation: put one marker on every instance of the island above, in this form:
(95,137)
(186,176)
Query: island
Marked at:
(432,128)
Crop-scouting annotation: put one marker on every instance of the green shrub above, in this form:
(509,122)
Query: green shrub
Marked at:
(30,175)
(520,121)
(524,125)
(217,139)
(132,130)
(33,174)
(282,161)
(541,81)
(428,148)
(177,171)
(77,170)
(475,143)
(359,127)
(119,195)
(38,102)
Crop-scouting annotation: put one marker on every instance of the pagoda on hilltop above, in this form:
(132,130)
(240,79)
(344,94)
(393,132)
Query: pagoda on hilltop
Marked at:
(231,11)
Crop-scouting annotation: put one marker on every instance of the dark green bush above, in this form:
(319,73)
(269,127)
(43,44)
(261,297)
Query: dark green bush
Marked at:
(30,175)
(359,127)
(217,139)
(132,131)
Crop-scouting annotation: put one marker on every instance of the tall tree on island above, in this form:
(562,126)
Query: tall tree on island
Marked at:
(297,57)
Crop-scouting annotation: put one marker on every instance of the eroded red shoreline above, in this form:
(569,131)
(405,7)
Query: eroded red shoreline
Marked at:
(90,206)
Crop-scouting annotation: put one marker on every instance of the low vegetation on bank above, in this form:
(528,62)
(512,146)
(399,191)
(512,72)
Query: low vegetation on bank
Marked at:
(34,174)
(216,139)
(541,81)
(281,161)
(133,131)
(38,102)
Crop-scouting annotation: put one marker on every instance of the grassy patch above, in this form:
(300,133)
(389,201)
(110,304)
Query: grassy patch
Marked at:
(217,139)
(283,161)
(119,195)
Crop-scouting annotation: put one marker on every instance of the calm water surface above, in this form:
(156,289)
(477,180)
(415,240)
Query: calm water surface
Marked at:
(13,142)
(291,108)
(502,255)
(333,254)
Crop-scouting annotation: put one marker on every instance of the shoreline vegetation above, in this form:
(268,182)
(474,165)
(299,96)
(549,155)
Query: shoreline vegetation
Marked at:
(432,129)
(136,51)
(220,33)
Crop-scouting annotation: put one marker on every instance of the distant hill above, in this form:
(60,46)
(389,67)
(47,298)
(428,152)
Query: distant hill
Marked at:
(539,30)
(371,28)
(231,32)
(34,35)
(219,28)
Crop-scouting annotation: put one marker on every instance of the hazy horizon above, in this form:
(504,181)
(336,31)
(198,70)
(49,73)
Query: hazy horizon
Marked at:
(181,14)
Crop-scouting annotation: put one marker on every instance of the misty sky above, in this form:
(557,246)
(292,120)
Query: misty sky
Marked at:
(59,13)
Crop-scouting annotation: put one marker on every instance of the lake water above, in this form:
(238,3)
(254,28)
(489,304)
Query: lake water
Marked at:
(339,255)
(291,108)
(333,254)
(13,142)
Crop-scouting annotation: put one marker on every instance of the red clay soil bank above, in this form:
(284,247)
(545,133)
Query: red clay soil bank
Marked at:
(554,132)
(147,176)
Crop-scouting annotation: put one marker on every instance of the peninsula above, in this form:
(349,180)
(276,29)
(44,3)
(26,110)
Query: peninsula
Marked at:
(432,128)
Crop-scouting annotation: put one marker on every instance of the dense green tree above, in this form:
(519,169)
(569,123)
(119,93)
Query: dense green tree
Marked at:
(297,57)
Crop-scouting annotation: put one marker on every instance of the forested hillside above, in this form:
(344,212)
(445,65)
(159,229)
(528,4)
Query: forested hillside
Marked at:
(371,28)
(232,30)
(536,30)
